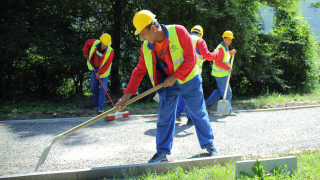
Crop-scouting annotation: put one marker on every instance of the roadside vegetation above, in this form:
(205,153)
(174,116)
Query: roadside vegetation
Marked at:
(82,106)
(308,168)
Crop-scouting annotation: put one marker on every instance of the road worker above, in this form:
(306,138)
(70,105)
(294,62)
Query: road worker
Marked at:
(99,56)
(202,54)
(221,69)
(169,57)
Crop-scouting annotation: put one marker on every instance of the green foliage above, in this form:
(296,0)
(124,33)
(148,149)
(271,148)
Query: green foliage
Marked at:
(42,43)
(316,4)
(258,170)
(295,52)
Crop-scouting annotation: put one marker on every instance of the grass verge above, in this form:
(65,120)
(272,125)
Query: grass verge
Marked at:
(308,168)
(82,106)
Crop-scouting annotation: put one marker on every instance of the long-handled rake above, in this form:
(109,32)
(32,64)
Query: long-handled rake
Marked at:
(224,105)
(114,109)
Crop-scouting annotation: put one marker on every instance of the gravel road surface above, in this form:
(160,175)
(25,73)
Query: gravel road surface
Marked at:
(132,140)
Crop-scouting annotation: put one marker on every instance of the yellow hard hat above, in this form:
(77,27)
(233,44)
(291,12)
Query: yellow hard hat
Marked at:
(199,28)
(228,34)
(142,19)
(105,38)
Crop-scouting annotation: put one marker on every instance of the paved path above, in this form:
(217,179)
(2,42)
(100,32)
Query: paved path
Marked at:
(132,140)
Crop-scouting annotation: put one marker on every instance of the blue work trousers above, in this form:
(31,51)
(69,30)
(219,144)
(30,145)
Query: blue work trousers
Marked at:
(218,93)
(192,93)
(181,107)
(98,92)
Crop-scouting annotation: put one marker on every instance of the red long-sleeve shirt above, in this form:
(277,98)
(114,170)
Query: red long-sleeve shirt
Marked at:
(181,73)
(206,54)
(96,60)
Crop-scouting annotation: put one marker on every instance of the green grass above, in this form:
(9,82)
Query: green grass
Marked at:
(308,168)
(83,103)
(34,106)
(278,99)
(147,105)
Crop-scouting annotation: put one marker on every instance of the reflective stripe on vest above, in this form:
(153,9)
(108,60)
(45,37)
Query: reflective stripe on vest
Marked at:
(107,54)
(200,58)
(217,71)
(176,53)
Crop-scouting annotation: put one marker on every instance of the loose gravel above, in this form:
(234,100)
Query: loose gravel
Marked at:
(132,140)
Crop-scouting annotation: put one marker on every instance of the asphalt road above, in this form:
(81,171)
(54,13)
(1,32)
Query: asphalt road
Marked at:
(132,140)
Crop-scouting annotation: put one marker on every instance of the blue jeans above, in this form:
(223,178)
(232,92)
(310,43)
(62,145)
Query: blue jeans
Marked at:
(218,93)
(192,93)
(181,107)
(98,92)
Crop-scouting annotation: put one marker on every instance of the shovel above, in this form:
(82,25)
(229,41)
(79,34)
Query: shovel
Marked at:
(224,105)
(113,110)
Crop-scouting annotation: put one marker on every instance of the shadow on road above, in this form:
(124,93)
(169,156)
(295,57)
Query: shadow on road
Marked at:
(180,131)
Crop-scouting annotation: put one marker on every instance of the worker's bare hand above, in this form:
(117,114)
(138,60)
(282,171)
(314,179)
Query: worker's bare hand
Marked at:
(97,75)
(86,56)
(233,51)
(122,100)
(169,81)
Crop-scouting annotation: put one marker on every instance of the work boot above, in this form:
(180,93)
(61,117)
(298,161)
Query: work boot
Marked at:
(158,157)
(100,110)
(189,122)
(212,151)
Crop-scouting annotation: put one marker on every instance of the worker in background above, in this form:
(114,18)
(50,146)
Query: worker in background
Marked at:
(202,54)
(221,69)
(99,55)
(169,57)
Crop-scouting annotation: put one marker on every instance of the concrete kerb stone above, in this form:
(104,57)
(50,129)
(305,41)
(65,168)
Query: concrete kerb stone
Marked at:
(279,109)
(245,110)
(53,120)
(126,170)
(284,164)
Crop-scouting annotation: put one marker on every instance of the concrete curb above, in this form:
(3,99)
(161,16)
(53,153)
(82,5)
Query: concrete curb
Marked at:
(285,164)
(279,109)
(245,110)
(53,120)
(125,170)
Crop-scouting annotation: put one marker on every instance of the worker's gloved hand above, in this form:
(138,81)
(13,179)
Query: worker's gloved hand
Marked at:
(169,81)
(233,51)
(122,100)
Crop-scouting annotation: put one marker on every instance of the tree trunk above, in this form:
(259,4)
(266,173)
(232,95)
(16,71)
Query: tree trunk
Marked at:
(115,80)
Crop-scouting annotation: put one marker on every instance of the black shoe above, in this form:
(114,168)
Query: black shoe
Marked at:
(212,151)
(158,157)
(189,122)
